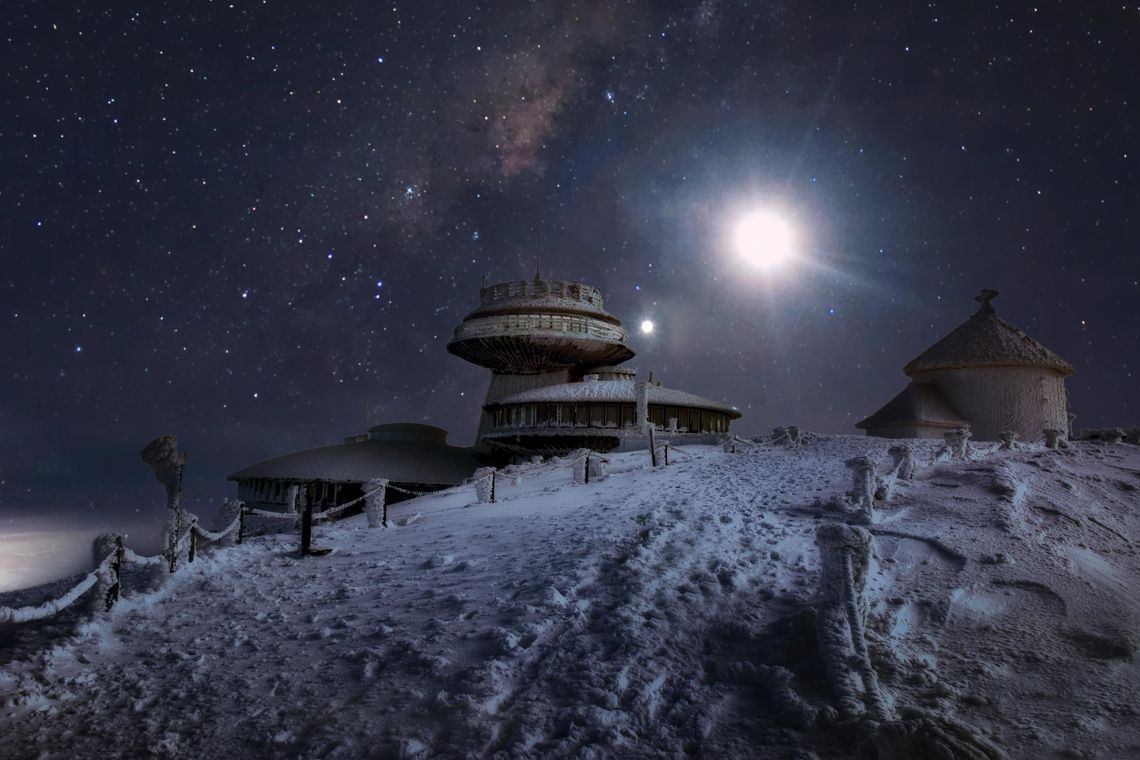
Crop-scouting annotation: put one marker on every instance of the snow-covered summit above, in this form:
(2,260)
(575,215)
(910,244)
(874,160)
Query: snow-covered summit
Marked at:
(667,612)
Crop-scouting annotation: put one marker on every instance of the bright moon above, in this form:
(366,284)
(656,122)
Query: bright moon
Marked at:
(646,327)
(764,239)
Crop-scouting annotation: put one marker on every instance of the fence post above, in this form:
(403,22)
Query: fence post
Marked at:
(587,480)
(652,446)
(666,453)
(306,529)
(492,486)
(193,540)
(241,524)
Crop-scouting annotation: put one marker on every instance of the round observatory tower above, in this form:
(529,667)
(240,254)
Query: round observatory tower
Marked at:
(532,327)
(537,333)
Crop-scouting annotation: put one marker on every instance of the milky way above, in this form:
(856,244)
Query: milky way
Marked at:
(242,222)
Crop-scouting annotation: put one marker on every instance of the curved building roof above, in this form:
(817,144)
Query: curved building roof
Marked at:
(611,391)
(984,340)
(402,452)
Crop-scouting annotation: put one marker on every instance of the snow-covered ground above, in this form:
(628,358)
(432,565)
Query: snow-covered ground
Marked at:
(666,612)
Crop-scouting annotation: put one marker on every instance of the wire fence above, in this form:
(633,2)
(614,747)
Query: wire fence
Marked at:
(106,578)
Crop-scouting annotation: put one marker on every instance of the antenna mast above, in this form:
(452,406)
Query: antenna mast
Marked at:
(538,262)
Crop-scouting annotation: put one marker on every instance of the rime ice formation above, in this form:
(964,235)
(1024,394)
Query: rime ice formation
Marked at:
(1008,440)
(845,556)
(668,612)
(375,491)
(958,443)
(862,493)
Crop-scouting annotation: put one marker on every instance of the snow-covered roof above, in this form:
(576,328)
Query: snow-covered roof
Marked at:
(398,461)
(917,404)
(612,391)
(984,340)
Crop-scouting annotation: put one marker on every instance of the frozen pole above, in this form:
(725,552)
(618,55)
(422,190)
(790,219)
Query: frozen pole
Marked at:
(162,455)
(863,483)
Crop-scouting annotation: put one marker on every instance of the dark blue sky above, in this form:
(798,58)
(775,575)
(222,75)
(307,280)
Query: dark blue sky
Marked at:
(239,221)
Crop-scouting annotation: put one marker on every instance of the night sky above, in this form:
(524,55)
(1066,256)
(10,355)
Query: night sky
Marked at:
(240,221)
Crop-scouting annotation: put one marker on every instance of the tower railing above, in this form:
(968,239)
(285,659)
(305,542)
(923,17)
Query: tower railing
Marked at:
(562,289)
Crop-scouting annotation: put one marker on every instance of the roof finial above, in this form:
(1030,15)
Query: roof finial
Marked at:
(984,299)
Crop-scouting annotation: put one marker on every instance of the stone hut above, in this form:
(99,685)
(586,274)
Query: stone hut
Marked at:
(986,374)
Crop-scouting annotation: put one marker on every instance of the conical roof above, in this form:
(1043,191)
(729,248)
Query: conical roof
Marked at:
(917,404)
(984,340)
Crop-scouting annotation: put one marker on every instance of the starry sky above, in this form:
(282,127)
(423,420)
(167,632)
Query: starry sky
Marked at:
(241,222)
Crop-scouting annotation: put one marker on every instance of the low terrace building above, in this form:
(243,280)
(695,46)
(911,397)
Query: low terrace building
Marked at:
(409,455)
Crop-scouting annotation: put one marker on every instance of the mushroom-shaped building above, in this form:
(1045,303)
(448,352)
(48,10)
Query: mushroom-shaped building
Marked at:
(986,374)
(551,348)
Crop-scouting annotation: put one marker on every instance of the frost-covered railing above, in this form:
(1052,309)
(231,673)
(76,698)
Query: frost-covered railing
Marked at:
(568,326)
(106,578)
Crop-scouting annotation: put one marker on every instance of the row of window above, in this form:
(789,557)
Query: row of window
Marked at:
(558,322)
(608,416)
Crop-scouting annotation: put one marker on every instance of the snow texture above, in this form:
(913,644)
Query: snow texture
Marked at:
(682,611)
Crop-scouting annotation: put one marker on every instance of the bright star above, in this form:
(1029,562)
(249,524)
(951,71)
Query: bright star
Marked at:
(764,239)
(646,326)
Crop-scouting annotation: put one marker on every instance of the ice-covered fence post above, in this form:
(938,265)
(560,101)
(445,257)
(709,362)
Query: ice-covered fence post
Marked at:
(1008,440)
(652,446)
(599,467)
(376,502)
(904,461)
(1054,439)
(306,529)
(845,555)
(862,492)
(586,468)
(494,474)
(958,442)
(578,468)
(108,587)
(666,459)
(162,455)
(482,480)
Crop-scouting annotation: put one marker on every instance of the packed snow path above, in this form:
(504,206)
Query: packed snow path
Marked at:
(655,613)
